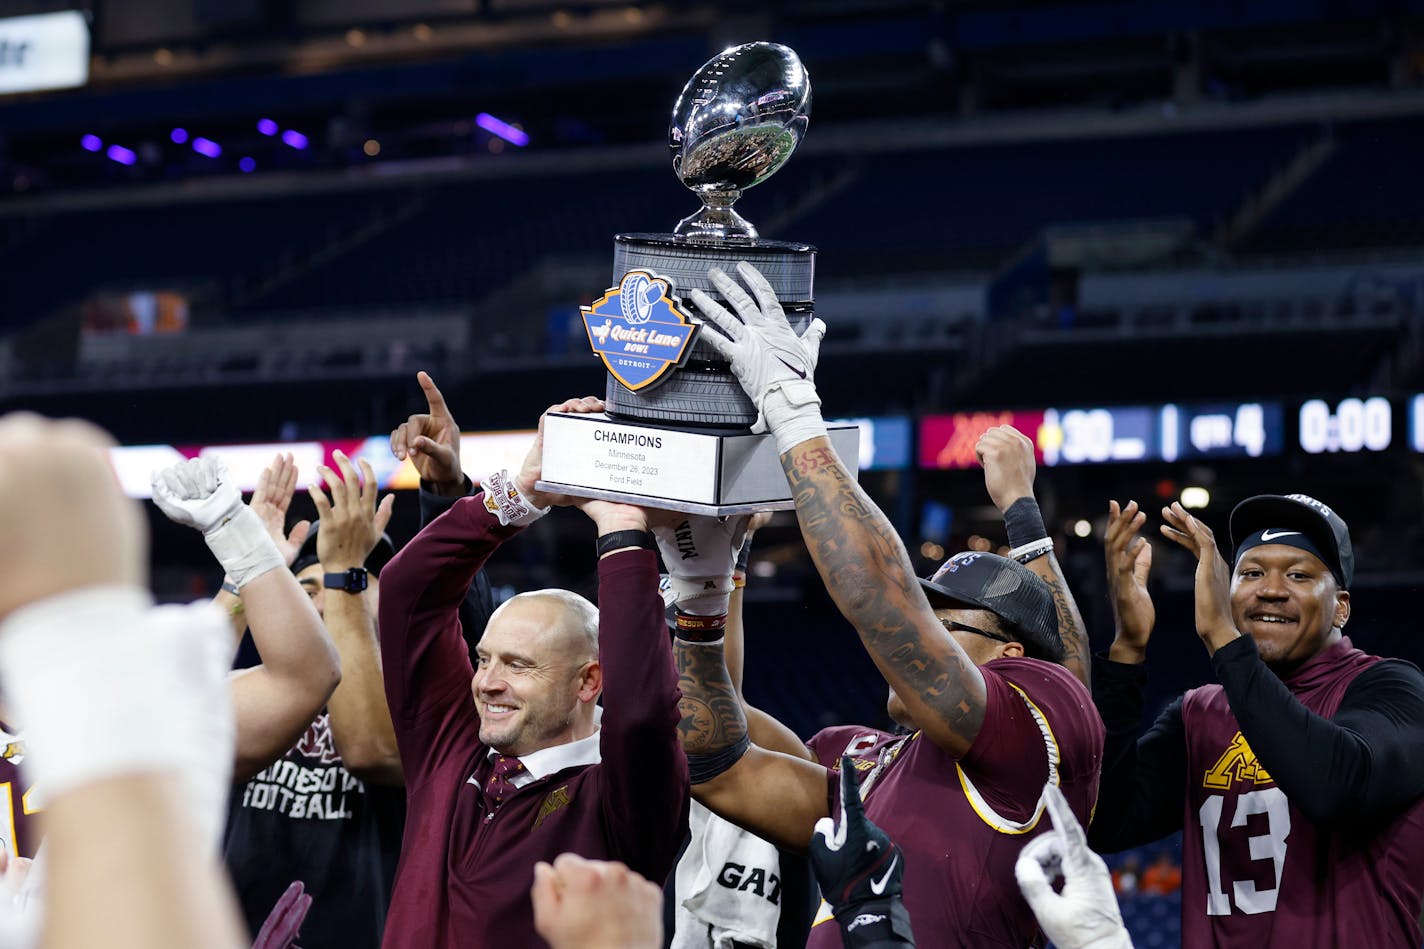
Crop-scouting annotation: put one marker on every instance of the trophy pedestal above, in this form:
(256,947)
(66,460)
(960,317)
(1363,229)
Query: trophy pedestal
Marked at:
(593,456)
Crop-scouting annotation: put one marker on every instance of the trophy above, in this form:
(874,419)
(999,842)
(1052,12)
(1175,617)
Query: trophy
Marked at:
(677,431)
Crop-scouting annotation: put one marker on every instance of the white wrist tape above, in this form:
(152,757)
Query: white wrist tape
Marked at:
(792,412)
(702,596)
(504,500)
(243,548)
(1032,550)
(104,684)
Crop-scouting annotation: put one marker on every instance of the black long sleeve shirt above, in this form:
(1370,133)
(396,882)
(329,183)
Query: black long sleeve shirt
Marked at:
(1361,765)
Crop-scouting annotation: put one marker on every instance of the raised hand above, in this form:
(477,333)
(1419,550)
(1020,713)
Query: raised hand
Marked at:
(431,440)
(1129,560)
(533,466)
(200,493)
(700,552)
(275,487)
(1215,625)
(766,354)
(1084,914)
(854,860)
(351,521)
(1006,455)
(64,523)
(197,493)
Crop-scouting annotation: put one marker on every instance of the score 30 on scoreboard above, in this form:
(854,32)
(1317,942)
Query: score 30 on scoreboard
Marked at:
(1113,434)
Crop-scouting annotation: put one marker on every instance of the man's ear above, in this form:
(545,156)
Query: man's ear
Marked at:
(1342,608)
(590,682)
(1011,651)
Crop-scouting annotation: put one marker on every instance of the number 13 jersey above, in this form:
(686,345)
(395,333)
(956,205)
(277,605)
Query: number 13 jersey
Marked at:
(1257,873)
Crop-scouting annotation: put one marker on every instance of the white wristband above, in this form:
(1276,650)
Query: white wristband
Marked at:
(105,685)
(792,412)
(243,547)
(504,500)
(1032,550)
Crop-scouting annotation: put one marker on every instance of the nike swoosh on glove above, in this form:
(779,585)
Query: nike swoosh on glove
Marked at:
(855,861)
(774,366)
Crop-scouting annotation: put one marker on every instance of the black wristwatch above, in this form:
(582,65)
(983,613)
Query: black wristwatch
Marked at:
(350,581)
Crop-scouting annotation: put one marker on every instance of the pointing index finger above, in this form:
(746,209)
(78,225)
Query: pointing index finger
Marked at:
(433,398)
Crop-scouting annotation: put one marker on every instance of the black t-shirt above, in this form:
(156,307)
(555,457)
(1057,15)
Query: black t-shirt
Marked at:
(306,818)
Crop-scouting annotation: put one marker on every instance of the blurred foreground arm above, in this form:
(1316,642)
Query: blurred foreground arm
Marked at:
(126,707)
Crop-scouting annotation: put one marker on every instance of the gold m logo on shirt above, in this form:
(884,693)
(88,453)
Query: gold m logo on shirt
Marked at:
(1237,763)
(558,798)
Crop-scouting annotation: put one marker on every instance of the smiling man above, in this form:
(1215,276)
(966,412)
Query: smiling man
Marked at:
(510,762)
(1297,781)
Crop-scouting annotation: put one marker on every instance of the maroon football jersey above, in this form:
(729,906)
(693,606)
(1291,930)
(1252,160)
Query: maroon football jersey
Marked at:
(1256,872)
(962,823)
(18,800)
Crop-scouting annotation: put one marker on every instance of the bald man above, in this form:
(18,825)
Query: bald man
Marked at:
(510,761)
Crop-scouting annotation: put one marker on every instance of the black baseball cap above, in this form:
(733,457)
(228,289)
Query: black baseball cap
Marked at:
(1005,588)
(1326,532)
(381,555)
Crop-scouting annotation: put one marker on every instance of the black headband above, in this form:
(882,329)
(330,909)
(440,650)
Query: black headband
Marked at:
(1290,538)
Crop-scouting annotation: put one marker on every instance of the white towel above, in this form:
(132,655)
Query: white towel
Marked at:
(728,887)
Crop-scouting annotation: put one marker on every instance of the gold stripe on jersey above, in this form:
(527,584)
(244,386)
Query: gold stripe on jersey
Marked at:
(981,807)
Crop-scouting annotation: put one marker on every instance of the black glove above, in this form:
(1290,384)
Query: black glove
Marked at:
(860,870)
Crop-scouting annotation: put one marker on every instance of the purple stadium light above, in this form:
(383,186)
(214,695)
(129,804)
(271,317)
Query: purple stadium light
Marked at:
(206,146)
(247,163)
(179,136)
(295,139)
(124,156)
(503,129)
(91,143)
(267,126)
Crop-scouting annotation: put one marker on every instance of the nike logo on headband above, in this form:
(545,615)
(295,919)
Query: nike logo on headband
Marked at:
(1272,535)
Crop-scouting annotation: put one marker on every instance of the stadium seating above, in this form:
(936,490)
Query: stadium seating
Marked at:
(1365,195)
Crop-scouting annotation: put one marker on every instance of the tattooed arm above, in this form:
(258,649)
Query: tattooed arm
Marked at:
(868,573)
(860,558)
(773,795)
(1006,455)
(1076,651)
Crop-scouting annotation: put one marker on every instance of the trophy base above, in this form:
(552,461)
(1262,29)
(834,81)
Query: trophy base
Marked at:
(593,456)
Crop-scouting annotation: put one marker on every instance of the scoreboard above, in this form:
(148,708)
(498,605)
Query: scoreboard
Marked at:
(1108,434)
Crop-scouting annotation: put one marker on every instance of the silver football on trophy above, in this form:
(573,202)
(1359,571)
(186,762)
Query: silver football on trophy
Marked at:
(737,120)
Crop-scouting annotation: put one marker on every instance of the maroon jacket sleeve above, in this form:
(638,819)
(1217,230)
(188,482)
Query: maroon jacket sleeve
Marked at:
(644,772)
(426,664)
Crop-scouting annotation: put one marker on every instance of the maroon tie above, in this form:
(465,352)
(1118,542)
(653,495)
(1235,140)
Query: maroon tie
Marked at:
(499,786)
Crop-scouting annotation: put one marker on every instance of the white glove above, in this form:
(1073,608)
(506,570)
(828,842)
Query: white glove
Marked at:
(199,493)
(699,554)
(1085,914)
(106,684)
(772,363)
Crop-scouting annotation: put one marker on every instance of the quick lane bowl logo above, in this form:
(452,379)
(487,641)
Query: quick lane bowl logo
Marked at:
(638,330)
